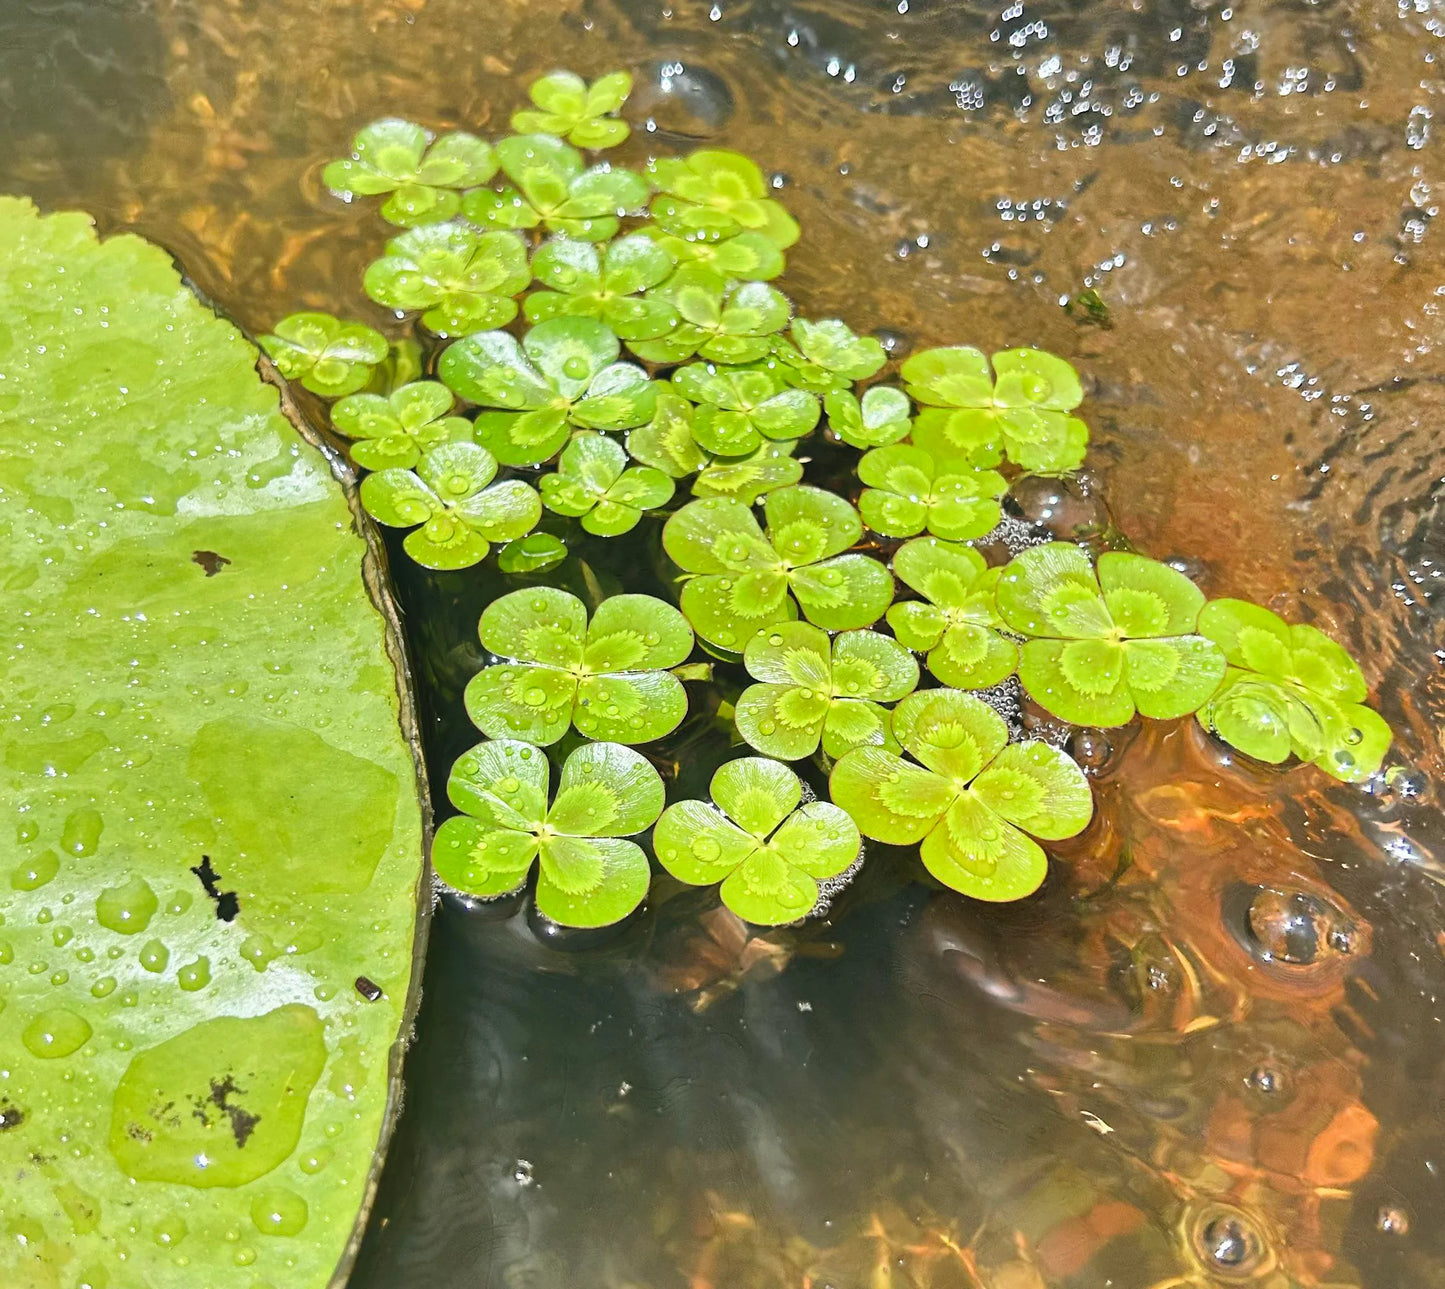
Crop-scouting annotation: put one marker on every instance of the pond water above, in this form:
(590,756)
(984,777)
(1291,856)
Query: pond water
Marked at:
(1212,1050)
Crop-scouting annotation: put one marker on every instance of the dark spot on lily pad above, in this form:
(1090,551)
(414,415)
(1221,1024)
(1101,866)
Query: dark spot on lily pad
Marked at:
(219,1102)
(11,1116)
(210,561)
(228,903)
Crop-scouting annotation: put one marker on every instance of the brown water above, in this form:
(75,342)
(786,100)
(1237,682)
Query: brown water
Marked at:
(1212,1052)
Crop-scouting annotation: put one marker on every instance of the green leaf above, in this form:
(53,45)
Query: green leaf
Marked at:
(909,492)
(1146,598)
(844,593)
(720,322)
(393,431)
(462,278)
(976,853)
(501,784)
(591,481)
(534,553)
(747,256)
(758,794)
(807,524)
(554,188)
(784,721)
(588,882)
(698,844)
(160,743)
(665,442)
(586,281)
(1033,378)
(717,535)
(1079,681)
(606,790)
(541,624)
(952,733)
(1038,788)
(965,436)
(567,107)
(956,377)
(727,187)
(1051,590)
(766,889)
(329,357)
(522,438)
(879,418)
(835,347)
(477,860)
(492,370)
(890,799)
(393,156)
(749,477)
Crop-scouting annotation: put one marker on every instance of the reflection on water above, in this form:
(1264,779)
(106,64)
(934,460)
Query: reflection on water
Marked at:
(1211,1052)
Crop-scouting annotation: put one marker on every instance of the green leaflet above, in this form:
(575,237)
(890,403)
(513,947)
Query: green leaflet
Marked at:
(163,714)
(327,356)
(420,175)
(768,852)
(973,801)
(580,113)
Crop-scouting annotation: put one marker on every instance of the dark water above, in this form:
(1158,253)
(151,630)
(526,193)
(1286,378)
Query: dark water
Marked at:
(1212,1051)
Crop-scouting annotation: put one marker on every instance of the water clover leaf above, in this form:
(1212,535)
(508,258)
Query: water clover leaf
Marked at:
(666,441)
(714,194)
(329,357)
(1110,643)
(748,256)
(563,373)
(770,467)
(610,679)
(534,553)
(974,801)
(814,689)
(589,875)
(768,851)
(448,495)
(909,492)
(828,355)
(580,113)
(593,482)
(743,581)
(720,322)
(464,279)
(420,176)
(393,431)
(604,282)
(957,621)
(881,417)
(556,190)
(1290,688)
(739,407)
(1018,408)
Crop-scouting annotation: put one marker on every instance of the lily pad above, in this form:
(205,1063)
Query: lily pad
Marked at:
(768,851)
(609,678)
(742,581)
(973,800)
(209,854)
(819,690)
(589,875)
(1290,688)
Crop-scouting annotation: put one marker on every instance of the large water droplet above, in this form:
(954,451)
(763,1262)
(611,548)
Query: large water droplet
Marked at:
(127,909)
(56,1033)
(278,1212)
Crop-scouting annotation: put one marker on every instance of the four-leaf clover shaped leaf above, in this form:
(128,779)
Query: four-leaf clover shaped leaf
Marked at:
(974,800)
(589,875)
(815,689)
(768,850)
(909,492)
(739,407)
(393,431)
(881,417)
(1018,409)
(742,581)
(721,322)
(588,281)
(580,113)
(329,357)
(462,278)
(748,256)
(770,467)
(713,194)
(449,496)
(594,482)
(1108,644)
(555,188)
(610,679)
(828,355)
(398,158)
(563,373)
(957,621)
(1290,689)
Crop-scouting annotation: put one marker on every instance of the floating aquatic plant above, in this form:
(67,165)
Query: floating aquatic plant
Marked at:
(589,875)
(555,189)
(909,492)
(748,257)
(741,580)
(739,407)
(609,677)
(768,850)
(588,281)
(329,357)
(1108,644)
(1018,409)
(974,800)
(420,176)
(450,494)
(534,553)
(721,322)
(815,689)
(593,483)
(766,469)
(957,622)
(714,194)
(582,114)
(392,431)
(462,278)
(1290,688)
(828,355)
(882,416)
(563,373)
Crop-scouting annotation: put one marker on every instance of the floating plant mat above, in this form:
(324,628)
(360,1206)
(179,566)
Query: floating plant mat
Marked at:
(210,923)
